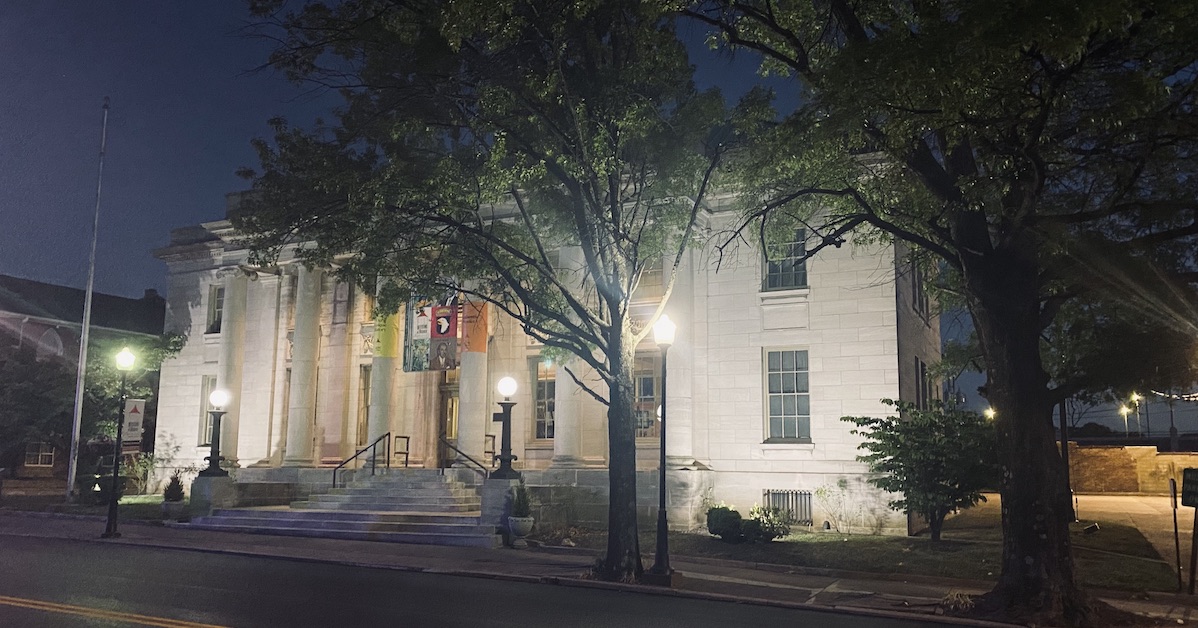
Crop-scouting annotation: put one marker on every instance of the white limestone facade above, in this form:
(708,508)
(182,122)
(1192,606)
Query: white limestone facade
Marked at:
(313,383)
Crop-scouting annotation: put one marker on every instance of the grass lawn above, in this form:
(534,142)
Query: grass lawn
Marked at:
(970,549)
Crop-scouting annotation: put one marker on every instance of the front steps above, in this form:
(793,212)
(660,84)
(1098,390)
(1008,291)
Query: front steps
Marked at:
(404,506)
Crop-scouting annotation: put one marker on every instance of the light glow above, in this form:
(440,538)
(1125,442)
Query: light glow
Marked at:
(663,331)
(125,359)
(506,386)
(219,398)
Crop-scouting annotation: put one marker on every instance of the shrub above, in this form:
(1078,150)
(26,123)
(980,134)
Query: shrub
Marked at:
(174,488)
(769,522)
(725,523)
(521,503)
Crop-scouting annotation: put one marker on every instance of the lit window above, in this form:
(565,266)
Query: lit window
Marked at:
(39,455)
(206,388)
(545,402)
(788,398)
(786,264)
(216,304)
(646,374)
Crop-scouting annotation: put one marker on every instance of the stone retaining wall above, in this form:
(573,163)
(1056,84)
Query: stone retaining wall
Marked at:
(1125,469)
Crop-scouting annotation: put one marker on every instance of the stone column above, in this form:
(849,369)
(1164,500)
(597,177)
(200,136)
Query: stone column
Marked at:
(680,438)
(472,405)
(301,413)
(567,442)
(383,389)
(231,357)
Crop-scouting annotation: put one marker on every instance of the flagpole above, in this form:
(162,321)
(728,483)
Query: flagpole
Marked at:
(81,370)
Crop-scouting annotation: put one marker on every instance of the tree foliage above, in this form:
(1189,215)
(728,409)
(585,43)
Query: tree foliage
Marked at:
(938,459)
(539,156)
(1041,154)
(37,397)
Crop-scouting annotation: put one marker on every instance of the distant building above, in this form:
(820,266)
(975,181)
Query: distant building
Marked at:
(769,355)
(48,319)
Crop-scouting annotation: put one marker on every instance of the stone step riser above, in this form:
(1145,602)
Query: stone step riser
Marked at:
(376,507)
(363,526)
(393,499)
(391,492)
(269,516)
(488,541)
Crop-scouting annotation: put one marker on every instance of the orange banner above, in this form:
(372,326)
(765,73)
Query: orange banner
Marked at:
(474,327)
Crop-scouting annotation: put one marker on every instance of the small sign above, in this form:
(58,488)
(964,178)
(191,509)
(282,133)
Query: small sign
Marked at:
(135,411)
(445,322)
(1189,487)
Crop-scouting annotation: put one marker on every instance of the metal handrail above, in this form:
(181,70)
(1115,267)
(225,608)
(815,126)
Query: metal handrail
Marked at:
(407,445)
(489,441)
(373,447)
(481,469)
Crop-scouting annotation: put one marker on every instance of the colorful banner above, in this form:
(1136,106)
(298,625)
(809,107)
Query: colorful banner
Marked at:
(474,327)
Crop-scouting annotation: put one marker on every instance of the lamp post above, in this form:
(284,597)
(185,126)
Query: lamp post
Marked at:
(663,335)
(124,363)
(218,400)
(1124,410)
(1146,426)
(507,388)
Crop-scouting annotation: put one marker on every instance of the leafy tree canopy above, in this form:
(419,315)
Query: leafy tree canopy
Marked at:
(938,459)
(1041,153)
(539,156)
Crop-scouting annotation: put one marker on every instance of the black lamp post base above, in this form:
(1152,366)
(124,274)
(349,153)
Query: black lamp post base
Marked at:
(658,579)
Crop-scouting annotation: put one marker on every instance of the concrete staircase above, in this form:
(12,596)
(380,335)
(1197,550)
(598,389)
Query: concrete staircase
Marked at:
(404,506)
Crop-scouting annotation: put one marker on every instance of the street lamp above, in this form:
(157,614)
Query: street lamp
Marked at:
(124,363)
(218,400)
(663,335)
(1146,426)
(1124,410)
(507,388)
(989,413)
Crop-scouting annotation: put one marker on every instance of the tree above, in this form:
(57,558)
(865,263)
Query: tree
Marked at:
(538,156)
(1037,152)
(37,397)
(938,459)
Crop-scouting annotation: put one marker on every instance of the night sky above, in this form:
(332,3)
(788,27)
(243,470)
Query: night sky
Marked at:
(184,105)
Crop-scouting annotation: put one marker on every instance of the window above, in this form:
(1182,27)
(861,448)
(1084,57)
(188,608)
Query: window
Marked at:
(919,293)
(925,389)
(652,281)
(364,375)
(646,373)
(39,455)
(786,264)
(49,345)
(216,304)
(788,397)
(206,388)
(544,399)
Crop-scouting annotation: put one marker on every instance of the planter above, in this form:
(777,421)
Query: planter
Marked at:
(520,526)
(172,510)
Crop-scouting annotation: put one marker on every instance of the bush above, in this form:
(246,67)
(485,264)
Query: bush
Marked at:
(174,489)
(764,524)
(725,523)
(769,521)
(521,503)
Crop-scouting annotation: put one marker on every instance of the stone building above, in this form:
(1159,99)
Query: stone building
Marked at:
(769,355)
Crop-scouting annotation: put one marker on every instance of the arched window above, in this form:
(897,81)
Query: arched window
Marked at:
(49,345)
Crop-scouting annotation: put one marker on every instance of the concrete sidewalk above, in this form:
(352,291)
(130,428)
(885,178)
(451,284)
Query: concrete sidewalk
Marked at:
(697,577)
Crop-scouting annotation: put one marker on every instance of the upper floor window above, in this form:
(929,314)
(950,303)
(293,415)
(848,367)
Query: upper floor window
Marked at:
(545,400)
(788,397)
(652,281)
(216,305)
(785,264)
(646,375)
(919,294)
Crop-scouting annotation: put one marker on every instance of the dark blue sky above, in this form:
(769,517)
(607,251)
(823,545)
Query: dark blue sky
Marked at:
(183,109)
(184,105)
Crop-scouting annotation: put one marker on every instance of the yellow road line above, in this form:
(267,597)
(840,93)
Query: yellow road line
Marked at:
(145,620)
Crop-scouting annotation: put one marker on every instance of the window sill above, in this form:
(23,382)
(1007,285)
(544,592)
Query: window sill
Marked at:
(212,336)
(787,441)
(784,297)
(540,443)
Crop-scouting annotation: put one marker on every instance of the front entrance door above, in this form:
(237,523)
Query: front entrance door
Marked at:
(447,421)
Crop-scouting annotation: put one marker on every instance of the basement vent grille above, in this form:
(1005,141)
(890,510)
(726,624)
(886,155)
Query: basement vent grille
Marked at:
(795,505)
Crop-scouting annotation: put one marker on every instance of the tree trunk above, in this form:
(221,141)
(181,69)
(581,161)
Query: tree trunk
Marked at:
(1037,580)
(622,561)
(936,524)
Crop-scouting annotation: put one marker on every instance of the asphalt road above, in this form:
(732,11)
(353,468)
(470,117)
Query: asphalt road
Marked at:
(54,582)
